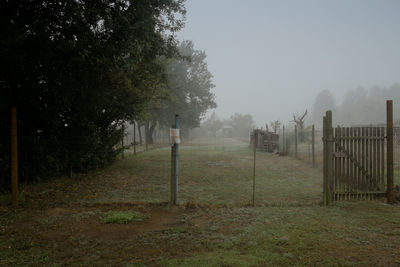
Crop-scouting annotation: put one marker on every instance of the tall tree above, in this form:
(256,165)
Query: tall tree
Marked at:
(242,124)
(323,101)
(187,91)
(77,70)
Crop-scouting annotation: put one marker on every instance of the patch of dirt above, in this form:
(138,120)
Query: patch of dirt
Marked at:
(57,212)
(92,227)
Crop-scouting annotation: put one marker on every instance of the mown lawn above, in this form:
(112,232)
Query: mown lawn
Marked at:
(62,222)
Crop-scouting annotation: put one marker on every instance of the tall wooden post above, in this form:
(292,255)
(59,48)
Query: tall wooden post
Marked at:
(14,157)
(389,150)
(313,145)
(329,156)
(295,141)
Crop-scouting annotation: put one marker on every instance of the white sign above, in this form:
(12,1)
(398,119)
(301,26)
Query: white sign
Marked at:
(174,136)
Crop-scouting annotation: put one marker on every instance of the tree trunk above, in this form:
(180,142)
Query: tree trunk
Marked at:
(140,133)
(149,129)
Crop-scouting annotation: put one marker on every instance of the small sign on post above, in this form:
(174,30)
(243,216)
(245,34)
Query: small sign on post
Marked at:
(174,136)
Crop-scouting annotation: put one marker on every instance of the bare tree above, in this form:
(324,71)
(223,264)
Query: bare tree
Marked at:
(299,120)
(275,125)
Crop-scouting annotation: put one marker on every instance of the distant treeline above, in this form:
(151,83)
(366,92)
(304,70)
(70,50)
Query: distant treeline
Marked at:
(78,71)
(359,106)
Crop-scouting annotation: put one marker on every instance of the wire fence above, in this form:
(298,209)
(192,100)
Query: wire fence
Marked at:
(303,144)
(136,140)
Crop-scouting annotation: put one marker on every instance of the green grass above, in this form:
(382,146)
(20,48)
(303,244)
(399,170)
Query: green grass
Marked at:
(122,217)
(213,225)
(5,198)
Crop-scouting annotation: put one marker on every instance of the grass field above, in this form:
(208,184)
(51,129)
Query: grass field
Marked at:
(62,222)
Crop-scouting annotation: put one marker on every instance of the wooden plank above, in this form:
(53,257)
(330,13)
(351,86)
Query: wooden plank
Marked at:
(343,163)
(350,165)
(389,150)
(383,158)
(355,169)
(363,177)
(371,156)
(335,164)
(369,165)
(378,159)
(358,137)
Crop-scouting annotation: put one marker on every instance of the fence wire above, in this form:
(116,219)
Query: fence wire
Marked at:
(302,146)
(396,155)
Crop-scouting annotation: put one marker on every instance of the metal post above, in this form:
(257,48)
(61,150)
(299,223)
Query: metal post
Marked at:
(172,196)
(295,141)
(313,145)
(389,150)
(255,134)
(174,166)
(14,157)
(283,140)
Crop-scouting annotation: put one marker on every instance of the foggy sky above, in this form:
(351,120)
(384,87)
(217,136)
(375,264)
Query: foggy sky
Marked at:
(271,58)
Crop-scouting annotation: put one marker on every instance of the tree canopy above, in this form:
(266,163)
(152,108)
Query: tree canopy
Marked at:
(359,106)
(186,92)
(76,70)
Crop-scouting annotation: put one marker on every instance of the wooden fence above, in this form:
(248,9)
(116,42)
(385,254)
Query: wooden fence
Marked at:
(355,166)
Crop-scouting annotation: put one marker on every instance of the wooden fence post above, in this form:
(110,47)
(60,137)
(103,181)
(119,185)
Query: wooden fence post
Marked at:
(295,141)
(389,150)
(14,157)
(313,145)
(329,156)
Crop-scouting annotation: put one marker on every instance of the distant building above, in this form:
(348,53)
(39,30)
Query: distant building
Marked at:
(227,131)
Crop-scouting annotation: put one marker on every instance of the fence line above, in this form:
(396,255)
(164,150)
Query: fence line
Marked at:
(303,144)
